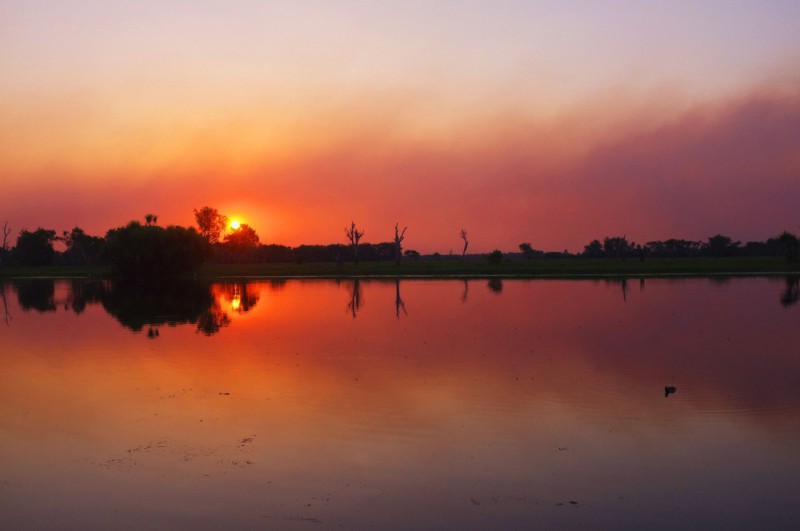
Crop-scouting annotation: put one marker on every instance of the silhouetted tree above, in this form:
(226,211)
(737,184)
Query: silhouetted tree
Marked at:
(593,249)
(353,236)
(398,240)
(151,219)
(412,254)
(495,257)
(274,253)
(210,222)
(4,251)
(150,251)
(617,246)
(81,249)
(379,251)
(35,248)
(789,243)
(527,250)
(244,236)
(720,245)
(463,236)
(674,247)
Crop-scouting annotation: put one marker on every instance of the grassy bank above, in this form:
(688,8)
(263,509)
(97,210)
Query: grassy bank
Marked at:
(476,268)
(532,268)
(55,272)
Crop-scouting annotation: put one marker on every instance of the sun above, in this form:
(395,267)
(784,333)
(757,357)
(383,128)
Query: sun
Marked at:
(235,225)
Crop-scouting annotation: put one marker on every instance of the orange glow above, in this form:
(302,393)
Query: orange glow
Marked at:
(235,224)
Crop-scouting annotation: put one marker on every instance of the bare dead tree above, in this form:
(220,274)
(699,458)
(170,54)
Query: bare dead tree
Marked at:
(353,236)
(398,240)
(463,236)
(398,300)
(4,248)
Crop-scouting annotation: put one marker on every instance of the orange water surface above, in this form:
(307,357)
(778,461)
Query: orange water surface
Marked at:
(400,404)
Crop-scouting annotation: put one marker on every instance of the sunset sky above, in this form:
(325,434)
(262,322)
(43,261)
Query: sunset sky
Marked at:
(551,122)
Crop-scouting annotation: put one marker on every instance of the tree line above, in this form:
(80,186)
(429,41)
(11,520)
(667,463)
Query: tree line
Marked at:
(785,244)
(148,249)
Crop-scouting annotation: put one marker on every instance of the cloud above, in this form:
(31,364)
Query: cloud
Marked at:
(615,165)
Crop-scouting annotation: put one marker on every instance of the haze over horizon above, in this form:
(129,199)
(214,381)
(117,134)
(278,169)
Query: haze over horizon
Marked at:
(553,123)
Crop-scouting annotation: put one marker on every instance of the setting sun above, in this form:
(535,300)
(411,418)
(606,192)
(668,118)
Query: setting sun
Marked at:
(235,224)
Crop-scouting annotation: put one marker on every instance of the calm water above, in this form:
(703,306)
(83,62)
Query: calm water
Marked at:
(385,405)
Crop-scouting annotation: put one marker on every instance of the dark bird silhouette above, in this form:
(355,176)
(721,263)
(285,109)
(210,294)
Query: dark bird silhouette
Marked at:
(668,390)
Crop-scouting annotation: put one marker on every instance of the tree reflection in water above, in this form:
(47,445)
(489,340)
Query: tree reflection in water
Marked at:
(495,285)
(238,297)
(356,299)
(791,294)
(6,315)
(398,300)
(36,294)
(149,306)
(139,306)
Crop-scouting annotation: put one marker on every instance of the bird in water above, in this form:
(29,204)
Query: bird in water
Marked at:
(668,390)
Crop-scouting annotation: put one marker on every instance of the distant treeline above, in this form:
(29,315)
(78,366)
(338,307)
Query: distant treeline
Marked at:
(785,244)
(144,250)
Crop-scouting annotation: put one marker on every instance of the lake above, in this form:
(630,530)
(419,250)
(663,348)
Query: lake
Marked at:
(411,404)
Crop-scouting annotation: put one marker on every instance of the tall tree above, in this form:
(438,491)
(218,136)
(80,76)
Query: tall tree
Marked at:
(35,248)
(398,240)
(790,243)
(353,236)
(720,245)
(527,250)
(593,249)
(242,243)
(244,236)
(4,248)
(81,248)
(150,219)
(463,236)
(210,222)
(618,246)
(138,251)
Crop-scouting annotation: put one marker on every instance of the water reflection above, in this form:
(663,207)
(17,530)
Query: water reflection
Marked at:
(37,295)
(496,412)
(356,299)
(791,294)
(139,306)
(495,285)
(6,315)
(398,300)
(136,305)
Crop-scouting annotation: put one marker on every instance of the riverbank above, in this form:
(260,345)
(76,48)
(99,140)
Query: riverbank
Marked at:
(554,268)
